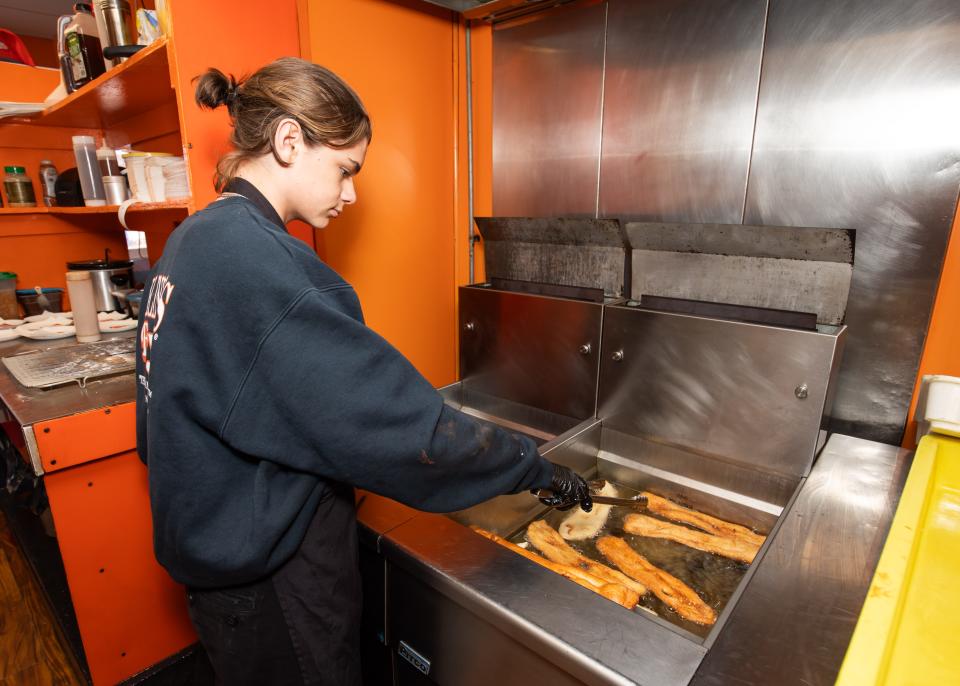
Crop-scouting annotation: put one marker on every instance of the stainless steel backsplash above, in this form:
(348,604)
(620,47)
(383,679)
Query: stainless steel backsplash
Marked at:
(765,112)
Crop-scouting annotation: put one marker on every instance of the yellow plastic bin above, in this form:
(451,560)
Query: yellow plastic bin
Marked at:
(909,629)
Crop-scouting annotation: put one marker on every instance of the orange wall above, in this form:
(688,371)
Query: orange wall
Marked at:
(42,50)
(941,351)
(21,83)
(206,134)
(397,244)
(205,35)
(36,246)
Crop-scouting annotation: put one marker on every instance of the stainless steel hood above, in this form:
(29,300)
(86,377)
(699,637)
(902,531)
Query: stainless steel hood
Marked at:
(496,10)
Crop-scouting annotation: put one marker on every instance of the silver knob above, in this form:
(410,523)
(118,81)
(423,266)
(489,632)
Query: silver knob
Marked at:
(617,356)
(585,349)
(801,391)
(469,326)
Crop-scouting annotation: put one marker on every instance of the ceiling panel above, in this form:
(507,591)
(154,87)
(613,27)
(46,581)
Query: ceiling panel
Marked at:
(33,17)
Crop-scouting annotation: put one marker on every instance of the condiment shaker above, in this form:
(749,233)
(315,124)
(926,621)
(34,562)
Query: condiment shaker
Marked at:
(80,288)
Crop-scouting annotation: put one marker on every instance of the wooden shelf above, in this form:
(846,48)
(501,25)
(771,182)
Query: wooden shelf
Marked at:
(139,85)
(180,204)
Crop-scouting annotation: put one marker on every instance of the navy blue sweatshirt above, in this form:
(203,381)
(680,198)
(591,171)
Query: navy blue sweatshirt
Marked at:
(259,386)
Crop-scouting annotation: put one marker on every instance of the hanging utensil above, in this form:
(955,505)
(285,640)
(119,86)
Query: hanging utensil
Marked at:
(42,300)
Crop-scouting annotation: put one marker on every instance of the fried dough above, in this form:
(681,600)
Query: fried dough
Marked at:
(736,549)
(618,593)
(668,588)
(551,544)
(582,525)
(717,527)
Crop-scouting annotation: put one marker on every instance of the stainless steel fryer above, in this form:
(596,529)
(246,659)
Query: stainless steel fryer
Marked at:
(722,416)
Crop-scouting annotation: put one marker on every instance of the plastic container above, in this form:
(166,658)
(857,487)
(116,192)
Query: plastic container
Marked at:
(80,288)
(85,151)
(78,45)
(27,298)
(8,296)
(116,189)
(48,182)
(137,175)
(176,185)
(145,174)
(107,159)
(907,631)
(156,184)
(938,408)
(18,187)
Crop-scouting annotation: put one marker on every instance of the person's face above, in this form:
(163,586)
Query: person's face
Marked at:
(325,181)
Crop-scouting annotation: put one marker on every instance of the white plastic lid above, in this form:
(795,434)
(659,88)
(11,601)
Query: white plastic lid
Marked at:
(84,140)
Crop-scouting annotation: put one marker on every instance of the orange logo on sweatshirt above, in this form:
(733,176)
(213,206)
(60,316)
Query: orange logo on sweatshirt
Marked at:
(160,291)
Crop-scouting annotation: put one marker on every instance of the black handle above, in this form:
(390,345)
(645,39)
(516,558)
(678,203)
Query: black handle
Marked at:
(115,51)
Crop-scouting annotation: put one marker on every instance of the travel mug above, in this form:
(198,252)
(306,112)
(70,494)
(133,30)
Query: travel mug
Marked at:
(80,288)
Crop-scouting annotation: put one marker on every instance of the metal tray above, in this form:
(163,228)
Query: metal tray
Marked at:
(75,363)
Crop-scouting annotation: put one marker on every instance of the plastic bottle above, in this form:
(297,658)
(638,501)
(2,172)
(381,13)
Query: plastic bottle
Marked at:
(81,57)
(18,187)
(91,184)
(80,288)
(48,182)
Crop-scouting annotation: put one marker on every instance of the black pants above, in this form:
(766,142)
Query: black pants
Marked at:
(300,625)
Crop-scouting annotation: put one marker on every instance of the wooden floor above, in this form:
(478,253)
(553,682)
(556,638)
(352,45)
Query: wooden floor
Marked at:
(31,650)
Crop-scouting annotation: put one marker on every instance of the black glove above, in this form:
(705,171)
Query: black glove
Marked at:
(568,489)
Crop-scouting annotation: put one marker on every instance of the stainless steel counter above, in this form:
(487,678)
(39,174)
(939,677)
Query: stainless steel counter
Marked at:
(791,625)
(27,406)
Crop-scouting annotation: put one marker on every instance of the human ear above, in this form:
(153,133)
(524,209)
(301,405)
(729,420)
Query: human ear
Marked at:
(287,138)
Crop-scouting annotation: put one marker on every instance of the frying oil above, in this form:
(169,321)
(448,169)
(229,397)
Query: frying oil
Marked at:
(713,577)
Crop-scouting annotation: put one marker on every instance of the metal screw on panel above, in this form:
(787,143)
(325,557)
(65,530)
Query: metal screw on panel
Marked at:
(617,356)
(469,326)
(801,391)
(585,349)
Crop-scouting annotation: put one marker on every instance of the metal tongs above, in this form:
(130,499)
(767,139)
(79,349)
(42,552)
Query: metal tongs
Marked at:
(637,502)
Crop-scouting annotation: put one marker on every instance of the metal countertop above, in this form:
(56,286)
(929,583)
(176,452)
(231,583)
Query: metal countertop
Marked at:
(31,405)
(791,625)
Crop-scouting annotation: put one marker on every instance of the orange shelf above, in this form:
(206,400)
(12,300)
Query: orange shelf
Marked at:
(180,204)
(139,85)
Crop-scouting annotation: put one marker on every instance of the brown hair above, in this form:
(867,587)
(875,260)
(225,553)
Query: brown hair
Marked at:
(328,110)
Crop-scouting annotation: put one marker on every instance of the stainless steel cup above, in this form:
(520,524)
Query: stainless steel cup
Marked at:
(116,26)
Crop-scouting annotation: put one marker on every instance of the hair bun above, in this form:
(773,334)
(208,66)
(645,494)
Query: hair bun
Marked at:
(214,88)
